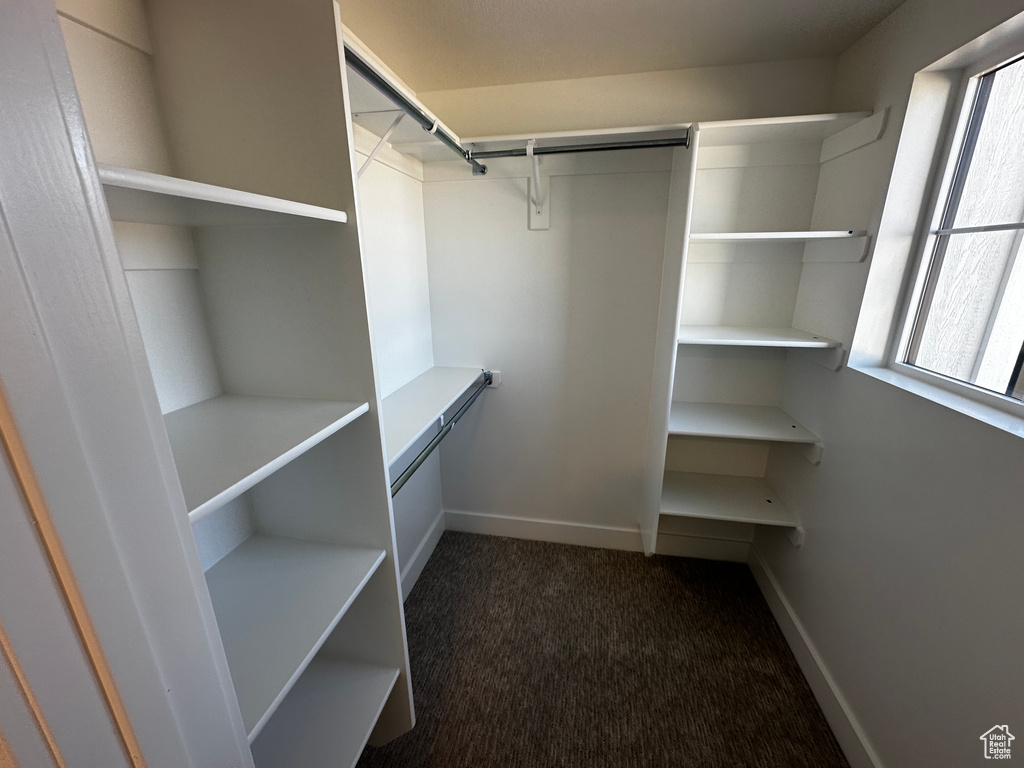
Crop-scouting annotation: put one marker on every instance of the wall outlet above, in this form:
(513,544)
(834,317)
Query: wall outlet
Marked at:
(495,378)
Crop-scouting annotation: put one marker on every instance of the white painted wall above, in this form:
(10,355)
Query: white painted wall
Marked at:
(394,239)
(394,247)
(568,316)
(109,48)
(908,585)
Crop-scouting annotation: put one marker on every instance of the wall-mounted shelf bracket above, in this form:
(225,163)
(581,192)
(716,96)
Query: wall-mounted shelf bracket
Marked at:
(813,452)
(538,189)
(381,143)
(796,536)
(832,358)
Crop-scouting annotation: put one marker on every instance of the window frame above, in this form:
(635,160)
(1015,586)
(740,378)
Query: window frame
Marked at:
(934,212)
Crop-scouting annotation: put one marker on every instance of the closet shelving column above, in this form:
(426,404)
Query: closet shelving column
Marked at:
(752,202)
(276,596)
(246,280)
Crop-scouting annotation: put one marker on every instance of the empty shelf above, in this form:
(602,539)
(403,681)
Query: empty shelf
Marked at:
(225,445)
(736,336)
(723,497)
(763,237)
(409,411)
(326,718)
(770,130)
(150,198)
(739,422)
(276,600)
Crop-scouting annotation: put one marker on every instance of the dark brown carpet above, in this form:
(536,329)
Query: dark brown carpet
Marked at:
(526,654)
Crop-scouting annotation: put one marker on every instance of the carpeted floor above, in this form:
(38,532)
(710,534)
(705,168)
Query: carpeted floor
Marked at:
(530,655)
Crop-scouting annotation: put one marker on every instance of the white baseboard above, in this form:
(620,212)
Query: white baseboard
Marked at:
(412,570)
(556,531)
(840,717)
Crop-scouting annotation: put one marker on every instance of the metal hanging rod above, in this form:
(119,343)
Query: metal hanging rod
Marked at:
(429,124)
(432,126)
(404,477)
(679,141)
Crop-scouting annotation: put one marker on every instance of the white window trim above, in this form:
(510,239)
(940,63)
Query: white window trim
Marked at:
(983,405)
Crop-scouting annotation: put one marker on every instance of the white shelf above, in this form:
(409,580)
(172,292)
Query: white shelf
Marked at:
(410,411)
(775,237)
(740,336)
(723,497)
(276,600)
(327,717)
(773,130)
(737,422)
(225,445)
(150,198)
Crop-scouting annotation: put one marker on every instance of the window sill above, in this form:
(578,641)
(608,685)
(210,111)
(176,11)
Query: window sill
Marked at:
(961,403)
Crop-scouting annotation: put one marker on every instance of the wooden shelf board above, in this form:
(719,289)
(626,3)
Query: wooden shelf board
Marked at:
(276,600)
(411,410)
(723,497)
(225,445)
(327,717)
(150,198)
(764,237)
(737,422)
(742,336)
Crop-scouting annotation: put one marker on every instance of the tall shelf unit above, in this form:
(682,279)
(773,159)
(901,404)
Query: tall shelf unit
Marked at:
(748,234)
(245,279)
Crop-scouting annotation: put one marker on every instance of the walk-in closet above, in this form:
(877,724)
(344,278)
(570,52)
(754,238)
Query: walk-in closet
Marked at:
(430,385)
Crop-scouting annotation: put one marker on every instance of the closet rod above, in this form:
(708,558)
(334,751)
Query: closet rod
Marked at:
(429,124)
(680,141)
(404,477)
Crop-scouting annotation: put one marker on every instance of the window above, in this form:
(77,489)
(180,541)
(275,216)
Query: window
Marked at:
(967,316)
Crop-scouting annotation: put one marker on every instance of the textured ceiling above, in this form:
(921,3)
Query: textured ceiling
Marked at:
(446,44)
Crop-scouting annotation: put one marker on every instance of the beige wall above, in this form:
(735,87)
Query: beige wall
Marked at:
(648,98)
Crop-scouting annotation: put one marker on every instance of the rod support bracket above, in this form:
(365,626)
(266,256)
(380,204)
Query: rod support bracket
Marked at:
(539,209)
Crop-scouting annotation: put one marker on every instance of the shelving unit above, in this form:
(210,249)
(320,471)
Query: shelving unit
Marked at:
(225,445)
(753,255)
(276,600)
(410,411)
(246,281)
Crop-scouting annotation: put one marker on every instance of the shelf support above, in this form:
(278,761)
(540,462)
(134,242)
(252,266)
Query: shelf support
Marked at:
(539,216)
(832,358)
(381,143)
(813,452)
